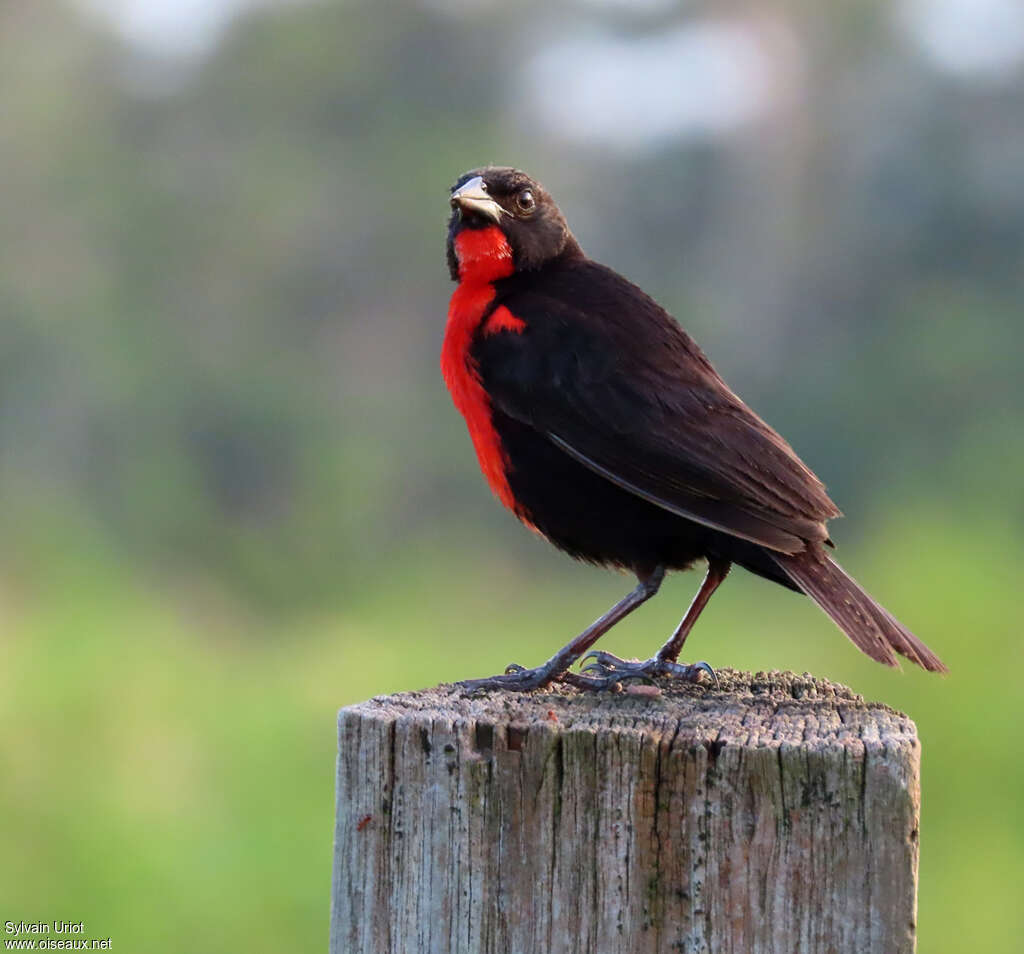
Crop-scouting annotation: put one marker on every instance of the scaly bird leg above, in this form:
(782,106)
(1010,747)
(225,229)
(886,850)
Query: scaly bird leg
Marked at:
(517,679)
(610,669)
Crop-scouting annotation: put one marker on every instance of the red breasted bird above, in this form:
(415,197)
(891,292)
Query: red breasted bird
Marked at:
(599,422)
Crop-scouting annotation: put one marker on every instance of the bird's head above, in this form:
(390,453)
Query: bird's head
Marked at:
(503,219)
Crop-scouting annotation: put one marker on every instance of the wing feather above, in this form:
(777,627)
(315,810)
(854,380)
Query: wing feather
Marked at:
(612,380)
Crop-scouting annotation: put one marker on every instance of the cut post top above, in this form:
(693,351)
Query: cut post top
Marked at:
(745,709)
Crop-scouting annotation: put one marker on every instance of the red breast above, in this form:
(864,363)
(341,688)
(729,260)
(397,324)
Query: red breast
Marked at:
(484,256)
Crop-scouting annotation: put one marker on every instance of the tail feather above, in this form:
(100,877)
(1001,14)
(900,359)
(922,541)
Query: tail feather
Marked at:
(871,627)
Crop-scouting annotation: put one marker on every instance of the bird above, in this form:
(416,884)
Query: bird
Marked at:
(599,422)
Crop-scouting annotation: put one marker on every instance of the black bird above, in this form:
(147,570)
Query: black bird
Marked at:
(599,422)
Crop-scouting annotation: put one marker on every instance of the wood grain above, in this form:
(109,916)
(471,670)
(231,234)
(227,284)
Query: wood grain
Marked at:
(777,813)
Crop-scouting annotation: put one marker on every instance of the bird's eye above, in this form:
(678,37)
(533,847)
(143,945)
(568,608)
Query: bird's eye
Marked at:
(525,201)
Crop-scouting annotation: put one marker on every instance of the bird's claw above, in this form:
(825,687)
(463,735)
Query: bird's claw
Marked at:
(698,667)
(613,669)
(515,678)
(518,678)
(603,671)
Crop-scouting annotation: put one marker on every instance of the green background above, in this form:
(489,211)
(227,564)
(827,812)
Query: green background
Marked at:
(234,495)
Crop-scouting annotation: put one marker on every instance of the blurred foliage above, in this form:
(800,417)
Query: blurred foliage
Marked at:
(235,496)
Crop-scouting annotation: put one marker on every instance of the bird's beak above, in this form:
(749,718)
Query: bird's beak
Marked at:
(473,197)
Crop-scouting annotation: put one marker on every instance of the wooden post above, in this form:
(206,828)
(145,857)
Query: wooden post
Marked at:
(777,813)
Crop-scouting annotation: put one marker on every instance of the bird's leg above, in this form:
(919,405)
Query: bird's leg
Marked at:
(718,570)
(556,669)
(610,668)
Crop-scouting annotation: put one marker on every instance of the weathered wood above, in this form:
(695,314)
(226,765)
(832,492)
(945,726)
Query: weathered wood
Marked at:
(778,813)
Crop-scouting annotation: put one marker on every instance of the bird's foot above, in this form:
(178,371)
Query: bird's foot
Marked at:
(516,678)
(609,669)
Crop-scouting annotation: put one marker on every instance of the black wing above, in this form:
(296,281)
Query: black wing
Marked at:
(610,378)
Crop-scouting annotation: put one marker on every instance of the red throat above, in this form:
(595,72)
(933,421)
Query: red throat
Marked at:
(484,256)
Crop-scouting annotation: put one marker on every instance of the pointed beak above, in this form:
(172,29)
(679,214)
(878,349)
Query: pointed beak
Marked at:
(473,197)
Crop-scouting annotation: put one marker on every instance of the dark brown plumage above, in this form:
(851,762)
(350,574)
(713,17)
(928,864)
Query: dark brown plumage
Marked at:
(603,426)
